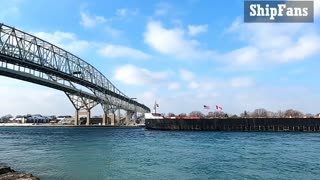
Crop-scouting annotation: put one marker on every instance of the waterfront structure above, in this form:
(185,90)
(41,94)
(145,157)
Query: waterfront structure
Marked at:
(154,121)
(28,58)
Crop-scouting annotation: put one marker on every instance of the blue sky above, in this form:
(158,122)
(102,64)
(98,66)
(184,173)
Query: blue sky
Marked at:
(183,54)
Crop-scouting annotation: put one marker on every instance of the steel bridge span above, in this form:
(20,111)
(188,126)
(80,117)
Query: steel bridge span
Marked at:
(28,58)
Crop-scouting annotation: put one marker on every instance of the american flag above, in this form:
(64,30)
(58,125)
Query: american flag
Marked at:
(206,107)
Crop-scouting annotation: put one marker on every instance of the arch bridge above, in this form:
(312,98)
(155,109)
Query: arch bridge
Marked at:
(28,58)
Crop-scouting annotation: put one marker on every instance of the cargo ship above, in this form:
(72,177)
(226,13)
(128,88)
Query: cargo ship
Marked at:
(158,122)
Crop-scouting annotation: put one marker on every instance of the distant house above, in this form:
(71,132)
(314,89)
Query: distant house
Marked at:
(60,118)
(18,119)
(317,115)
(21,119)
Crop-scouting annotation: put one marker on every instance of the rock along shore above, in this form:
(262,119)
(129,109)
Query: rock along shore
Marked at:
(6,173)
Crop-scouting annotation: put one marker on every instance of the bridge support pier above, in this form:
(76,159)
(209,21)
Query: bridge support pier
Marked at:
(119,118)
(129,117)
(104,119)
(76,118)
(108,119)
(112,119)
(81,103)
(88,113)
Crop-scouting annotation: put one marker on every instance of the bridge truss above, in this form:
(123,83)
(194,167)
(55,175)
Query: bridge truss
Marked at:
(28,58)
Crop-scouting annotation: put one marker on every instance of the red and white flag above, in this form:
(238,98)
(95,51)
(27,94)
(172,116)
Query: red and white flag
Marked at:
(218,107)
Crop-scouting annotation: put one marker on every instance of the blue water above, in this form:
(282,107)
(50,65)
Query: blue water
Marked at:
(110,153)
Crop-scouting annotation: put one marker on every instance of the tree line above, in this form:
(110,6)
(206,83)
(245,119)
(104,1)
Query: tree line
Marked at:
(257,113)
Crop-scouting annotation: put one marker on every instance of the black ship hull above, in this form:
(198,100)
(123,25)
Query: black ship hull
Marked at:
(237,124)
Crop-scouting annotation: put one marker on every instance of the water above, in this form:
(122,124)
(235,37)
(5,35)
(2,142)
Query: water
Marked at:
(107,153)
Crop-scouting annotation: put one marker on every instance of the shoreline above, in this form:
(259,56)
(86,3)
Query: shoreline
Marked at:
(7,173)
(57,125)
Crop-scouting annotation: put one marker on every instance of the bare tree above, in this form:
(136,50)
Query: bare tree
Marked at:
(219,114)
(309,115)
(182,114)
(6,118)
(234,116)
(245,114)
(171,114)
(279,114)
(196,113)
(293,113)
(271,114)
(210,114)
(260,113)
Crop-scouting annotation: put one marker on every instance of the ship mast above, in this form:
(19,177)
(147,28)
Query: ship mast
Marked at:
(155,106)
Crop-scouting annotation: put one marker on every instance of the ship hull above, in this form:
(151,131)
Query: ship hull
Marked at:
(237,124)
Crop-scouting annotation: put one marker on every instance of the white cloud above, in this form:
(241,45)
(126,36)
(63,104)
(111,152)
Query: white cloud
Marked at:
(112,32)
(195,30)
(304,47)
(149,97)
(125,12)
(269,43)
(90,21)
(132,75)
(243,56)
(173,42)
(193,85)
(119,51)
(122,12)
(234,25)
(238,82)
(65,40)
(56,37)
(174,86)
(162,9)
(39,99)
(186,75)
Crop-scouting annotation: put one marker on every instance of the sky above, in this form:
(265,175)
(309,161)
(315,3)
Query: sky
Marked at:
(181,54)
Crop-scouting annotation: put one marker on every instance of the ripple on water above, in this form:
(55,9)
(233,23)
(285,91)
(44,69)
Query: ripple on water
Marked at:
(107,153)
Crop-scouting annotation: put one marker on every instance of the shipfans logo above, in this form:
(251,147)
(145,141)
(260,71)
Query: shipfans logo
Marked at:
(278,11)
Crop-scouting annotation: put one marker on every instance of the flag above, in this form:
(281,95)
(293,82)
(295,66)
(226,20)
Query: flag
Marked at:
(218,107)
(206,107)
(155,105)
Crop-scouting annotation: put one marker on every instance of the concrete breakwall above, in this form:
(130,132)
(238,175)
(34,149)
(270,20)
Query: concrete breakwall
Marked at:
(237,124)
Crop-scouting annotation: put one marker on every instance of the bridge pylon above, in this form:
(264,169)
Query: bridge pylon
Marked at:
(106,118)
(82,105)
(129,116)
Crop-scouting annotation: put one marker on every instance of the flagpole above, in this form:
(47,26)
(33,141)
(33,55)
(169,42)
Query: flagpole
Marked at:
(155,106)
